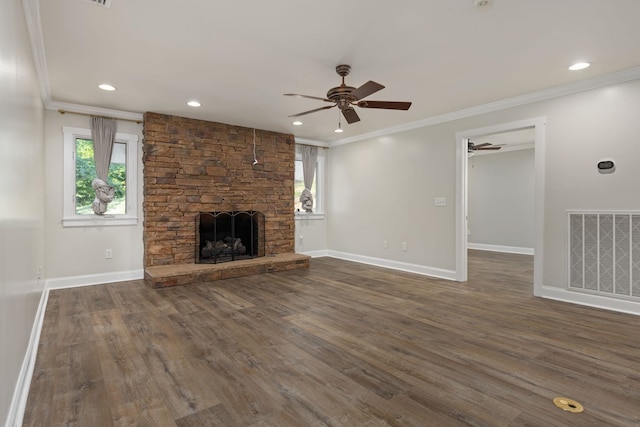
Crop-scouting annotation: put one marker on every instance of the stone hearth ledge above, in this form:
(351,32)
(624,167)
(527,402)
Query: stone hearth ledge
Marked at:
(163,276)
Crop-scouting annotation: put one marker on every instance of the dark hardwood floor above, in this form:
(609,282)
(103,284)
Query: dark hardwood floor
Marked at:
(342,344)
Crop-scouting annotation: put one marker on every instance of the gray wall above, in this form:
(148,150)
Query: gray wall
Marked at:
(500,199)
(384,187)
(21,197)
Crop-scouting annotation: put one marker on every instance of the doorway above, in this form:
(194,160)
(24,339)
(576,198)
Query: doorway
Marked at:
(537,125)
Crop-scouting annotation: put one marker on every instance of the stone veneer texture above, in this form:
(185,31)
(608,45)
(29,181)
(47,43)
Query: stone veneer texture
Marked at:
(193,166)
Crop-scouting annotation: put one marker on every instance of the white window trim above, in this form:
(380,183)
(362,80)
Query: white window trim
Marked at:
(318,208)
(70,218)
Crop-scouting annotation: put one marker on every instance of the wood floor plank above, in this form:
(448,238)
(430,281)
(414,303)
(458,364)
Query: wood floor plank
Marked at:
(79,390)
(338,344)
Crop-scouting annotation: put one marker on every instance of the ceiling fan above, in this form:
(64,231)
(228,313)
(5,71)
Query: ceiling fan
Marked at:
(471,147)
(344,97)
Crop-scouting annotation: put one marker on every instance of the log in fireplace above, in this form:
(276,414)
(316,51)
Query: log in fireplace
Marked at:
(229,236)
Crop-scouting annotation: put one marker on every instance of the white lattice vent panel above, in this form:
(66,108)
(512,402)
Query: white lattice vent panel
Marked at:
(604,253)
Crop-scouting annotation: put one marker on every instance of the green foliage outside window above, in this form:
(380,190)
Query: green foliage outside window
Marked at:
(86,172)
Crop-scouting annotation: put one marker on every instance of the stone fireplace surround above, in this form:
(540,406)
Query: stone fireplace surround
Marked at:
(193,166)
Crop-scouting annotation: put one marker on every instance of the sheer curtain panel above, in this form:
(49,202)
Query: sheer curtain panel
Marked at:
(103,134)
(309,160)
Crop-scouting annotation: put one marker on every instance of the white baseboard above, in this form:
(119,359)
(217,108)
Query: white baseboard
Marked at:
(93,279)
(499,248)
(591,300)
(21,392)
(396,265)
(316,254)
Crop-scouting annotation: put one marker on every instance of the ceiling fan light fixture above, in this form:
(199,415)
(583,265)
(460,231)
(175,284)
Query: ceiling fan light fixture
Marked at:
(193,103)
(339,128)
(579,66)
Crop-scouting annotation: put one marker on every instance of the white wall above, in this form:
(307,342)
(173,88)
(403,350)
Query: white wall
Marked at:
(384,187)
(500,199)
(581,130)
(80,251)
(311,236)
(21,197)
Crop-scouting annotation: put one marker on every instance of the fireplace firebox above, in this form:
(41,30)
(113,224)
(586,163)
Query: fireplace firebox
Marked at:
(229,236)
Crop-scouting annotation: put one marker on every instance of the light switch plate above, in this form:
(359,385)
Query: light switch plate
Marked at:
(441,201)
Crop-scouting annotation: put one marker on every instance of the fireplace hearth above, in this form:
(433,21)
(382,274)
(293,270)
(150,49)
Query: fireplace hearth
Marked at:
(229,236)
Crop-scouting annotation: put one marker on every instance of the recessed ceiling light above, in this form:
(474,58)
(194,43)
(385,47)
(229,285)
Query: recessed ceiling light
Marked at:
(579,66)
(297,123)
(193,103)
(105,86)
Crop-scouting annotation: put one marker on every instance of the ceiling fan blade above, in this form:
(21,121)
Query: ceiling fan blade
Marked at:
(484,144)
(313,111)
(389,105)
(366,89)
(307,96)
(487,148)
(350,115)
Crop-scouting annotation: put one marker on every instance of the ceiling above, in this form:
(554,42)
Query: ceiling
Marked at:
(238,58)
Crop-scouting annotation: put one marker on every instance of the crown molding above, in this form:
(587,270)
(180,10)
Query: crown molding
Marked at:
(516,101)
(32,18)
(68,107)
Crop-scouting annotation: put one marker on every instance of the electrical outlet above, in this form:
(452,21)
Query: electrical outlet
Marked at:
(39,273)
(108,254)
(301,239)
(404,246)
(385,244)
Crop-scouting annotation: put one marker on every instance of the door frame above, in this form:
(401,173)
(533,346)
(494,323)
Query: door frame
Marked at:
(462,187)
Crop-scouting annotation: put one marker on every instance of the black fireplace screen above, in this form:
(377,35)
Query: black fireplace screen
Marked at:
(229,236)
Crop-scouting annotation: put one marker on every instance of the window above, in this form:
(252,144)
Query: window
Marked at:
(79,171)
(317,190)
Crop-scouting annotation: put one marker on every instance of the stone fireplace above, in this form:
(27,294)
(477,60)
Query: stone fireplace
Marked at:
(193,167)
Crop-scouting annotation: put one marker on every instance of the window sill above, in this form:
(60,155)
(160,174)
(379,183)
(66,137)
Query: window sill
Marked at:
(97,221)
(304,215)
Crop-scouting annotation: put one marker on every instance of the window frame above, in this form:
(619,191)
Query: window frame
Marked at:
(70,218)
(319,201)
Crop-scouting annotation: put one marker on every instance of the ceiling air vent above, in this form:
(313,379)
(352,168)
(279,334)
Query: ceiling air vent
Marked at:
(105,3)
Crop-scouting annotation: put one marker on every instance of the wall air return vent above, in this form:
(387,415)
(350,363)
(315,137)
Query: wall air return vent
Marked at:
(105,3)
(604,253)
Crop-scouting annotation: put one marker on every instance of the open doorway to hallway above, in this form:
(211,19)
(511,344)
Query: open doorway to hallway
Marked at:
(500,200)
(476,213)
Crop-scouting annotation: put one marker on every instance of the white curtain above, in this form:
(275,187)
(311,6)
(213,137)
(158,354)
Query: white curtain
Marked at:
(103,134)
(309,160)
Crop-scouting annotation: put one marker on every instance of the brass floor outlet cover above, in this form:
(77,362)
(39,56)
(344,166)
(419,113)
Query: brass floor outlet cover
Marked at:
(568,405)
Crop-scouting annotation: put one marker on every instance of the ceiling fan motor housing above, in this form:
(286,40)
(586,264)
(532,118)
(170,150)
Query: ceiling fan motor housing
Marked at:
(342,95)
